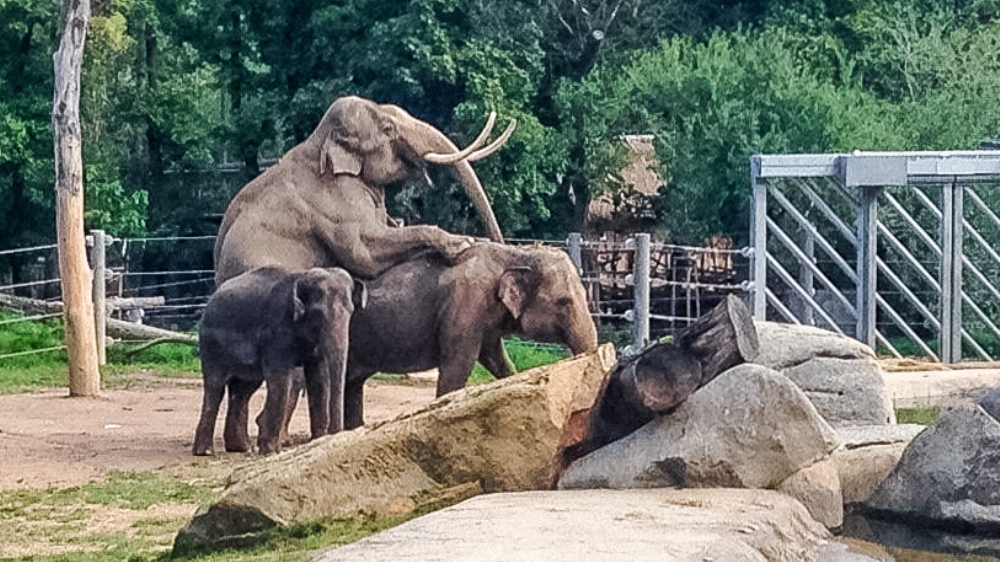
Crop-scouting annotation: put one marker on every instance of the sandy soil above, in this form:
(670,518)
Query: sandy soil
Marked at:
(48,439)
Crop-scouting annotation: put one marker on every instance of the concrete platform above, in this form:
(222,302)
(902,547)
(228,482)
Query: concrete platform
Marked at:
(654,525)
(942,387)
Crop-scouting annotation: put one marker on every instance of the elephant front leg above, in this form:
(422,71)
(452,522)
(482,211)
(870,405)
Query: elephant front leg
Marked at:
(494,357)
(458,357)
(235,435)
(271,420)
(354,400)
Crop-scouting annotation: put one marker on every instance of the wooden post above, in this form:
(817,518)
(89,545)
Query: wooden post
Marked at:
(78,314)
(98,257)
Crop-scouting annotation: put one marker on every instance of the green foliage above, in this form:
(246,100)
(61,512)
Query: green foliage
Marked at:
(923,416)
(21,336)
(183,356)
(524,355)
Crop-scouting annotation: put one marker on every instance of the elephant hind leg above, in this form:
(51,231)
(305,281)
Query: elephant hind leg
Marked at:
(272,419)
(235,435)
(204,435)
(354,401)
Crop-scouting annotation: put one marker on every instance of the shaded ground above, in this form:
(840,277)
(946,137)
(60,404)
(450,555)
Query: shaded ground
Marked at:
(50,440)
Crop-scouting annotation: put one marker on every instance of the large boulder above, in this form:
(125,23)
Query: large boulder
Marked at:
(505,436)
(817,486)
(839,374)
(949,475)
(868,454)
(749,428)
(604,525)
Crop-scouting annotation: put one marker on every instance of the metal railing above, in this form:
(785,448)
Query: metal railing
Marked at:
(893,248)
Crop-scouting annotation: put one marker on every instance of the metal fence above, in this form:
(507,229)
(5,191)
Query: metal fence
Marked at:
(896,249)
(637,289)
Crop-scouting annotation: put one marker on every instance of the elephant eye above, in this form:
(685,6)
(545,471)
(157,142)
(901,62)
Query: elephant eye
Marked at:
(564,302)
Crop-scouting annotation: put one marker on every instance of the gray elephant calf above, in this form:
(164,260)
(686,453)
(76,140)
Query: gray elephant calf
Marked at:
(425,313)
(261,325)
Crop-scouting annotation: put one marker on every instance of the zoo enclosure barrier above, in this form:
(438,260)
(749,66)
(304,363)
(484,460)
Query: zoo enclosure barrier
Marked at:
(897,249)
(637,289)
(654,289)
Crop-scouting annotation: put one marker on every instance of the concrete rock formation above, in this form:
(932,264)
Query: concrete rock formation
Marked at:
(505,436)
(867,455)
(949,475)
(609,525)
(758,441)
(838,374)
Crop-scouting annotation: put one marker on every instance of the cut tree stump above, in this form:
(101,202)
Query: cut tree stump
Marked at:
(662,376)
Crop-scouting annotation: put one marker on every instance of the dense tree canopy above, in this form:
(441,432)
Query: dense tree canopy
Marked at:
(184,100)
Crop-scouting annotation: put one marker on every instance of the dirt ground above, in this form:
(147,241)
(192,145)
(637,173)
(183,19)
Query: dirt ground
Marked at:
(50,440)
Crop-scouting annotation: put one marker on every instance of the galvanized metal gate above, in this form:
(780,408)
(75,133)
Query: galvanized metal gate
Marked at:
(900,250)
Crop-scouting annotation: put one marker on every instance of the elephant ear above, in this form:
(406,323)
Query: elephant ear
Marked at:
(338,159)
(360,294)
(513,291)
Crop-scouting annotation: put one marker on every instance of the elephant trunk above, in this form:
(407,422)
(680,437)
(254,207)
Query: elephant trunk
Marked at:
(583,334)
(425,138)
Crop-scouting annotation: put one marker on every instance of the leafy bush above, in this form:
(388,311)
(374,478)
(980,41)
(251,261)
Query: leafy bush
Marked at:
(18,337)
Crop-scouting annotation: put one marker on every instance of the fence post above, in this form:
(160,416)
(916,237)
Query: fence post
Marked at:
(866,265)
(951,272)
(640,275)
(574,247)
(758,239)
(98,256)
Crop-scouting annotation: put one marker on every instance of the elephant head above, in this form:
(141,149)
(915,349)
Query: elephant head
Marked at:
(323,301)
(382,144)
(546,298)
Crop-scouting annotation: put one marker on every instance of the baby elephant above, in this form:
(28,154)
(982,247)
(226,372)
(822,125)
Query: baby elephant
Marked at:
(259,327)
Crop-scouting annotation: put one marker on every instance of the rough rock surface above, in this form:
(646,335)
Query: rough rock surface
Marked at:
(604,525)
(504,436)
(749,428)
(867,455)
(817,486)
(949,475)
(839,374)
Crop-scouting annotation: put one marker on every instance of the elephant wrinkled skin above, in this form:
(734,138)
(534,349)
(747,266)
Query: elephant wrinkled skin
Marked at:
(425,313)
(323,203)
(259,327)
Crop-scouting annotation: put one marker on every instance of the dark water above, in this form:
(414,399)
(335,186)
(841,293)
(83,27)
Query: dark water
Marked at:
(913,544)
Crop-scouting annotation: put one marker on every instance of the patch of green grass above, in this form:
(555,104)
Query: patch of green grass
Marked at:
(525,355)
(14,380)
(925,415)
(183,356)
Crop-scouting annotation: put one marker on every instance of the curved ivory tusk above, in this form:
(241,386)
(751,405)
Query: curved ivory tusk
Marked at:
(436,158)
(495,145)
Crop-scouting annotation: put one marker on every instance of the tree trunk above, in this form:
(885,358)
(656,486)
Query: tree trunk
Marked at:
(78,314)
(663,375)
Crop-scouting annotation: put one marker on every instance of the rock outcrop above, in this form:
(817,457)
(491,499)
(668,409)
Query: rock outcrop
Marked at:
(868,454)
(949,475)
(838,374)
(604,525)
(749,428)
(505,436)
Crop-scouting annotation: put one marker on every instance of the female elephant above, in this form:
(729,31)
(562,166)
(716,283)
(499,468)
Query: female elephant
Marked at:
(259,327)
(427,313)
(323,203)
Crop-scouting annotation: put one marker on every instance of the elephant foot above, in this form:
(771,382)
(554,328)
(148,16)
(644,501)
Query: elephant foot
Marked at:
(203,452)
(237,447)
(268,447)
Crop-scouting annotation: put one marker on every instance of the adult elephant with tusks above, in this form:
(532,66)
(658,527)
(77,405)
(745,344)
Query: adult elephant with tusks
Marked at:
(323,203)
(426,313)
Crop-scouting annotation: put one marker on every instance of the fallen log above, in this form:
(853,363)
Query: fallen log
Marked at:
(115,328)
(662,376)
